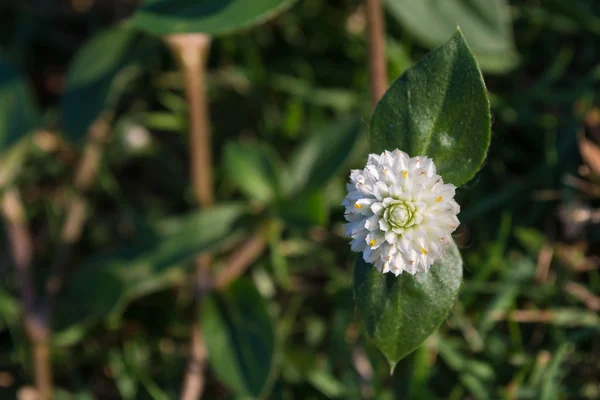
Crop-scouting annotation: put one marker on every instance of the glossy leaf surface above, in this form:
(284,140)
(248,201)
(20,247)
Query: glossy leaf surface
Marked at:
(439,108)
(400,313)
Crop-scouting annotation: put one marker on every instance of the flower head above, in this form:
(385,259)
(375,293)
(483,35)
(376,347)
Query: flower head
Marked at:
(400,213)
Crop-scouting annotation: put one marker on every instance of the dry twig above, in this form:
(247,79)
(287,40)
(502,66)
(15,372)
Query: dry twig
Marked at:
(191,51)
(36,328)
(377,59)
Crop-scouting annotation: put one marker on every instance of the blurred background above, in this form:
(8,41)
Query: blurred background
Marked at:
(287,95)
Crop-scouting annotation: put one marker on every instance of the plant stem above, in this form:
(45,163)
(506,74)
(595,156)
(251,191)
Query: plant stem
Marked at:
(36,327)
(191,51)
(43,367)
(240,260)
(377,59)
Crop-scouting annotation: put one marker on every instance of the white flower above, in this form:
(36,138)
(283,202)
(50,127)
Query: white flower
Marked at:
(400,213)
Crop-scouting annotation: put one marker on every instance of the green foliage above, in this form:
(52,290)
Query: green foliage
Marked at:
(101,80)
(525,324)
(295,189)
(438,108)
(17,110)
(215,17)
(239,338)
(486,24)
(321,156)
(18,116)
(106,283)
(400,313)
(255,169)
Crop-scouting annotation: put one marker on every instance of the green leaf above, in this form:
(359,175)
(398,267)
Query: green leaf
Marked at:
(321,156)
(400,313)
(439,108)
(105,284)
(95,83)
(18,116)
(214,17)
(254,168)
(239,338)
(18,113)
(486,23)
(305,210)
(10,309)
(551,388)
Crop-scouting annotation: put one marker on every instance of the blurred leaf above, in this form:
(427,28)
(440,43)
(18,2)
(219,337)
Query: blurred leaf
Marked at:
(336,98)
(321,156)
(105,283)
(214,17)
(400,313)
(305,210)
(326,383)
(486,23)
(18,112)
(11,161)
(63,394)
(165,121)
(94,83)
(18,115)
(551,384)
(475,375)
(239,337)
(254,168)
(530,238)
(10,309)
(124,379)
(439,109)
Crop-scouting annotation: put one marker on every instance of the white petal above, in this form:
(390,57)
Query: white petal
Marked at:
(414,242)
(372,223)
(377,208)
(383,225)
(381,190)
(391,237)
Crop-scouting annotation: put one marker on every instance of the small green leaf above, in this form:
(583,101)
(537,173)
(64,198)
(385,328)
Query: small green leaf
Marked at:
(486,23)
(239,337)
(400,313)
(439,108)
(254,168)
(321,156)
(214,17)
(105,284)
(94,83)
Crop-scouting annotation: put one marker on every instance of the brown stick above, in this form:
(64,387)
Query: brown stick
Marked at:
(543,263)
(240,260)
(43,368)
(21,245)
(377,59)
(194,382)
(580,292)
(36,328)
(191,51)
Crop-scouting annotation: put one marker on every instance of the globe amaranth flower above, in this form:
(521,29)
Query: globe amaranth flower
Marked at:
(400,213)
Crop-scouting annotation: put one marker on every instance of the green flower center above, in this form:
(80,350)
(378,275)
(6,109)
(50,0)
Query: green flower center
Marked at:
(400,214)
